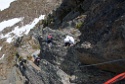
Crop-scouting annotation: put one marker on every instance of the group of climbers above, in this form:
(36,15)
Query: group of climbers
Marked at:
(68,41)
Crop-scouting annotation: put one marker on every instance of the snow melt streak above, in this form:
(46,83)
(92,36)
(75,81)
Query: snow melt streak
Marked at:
(18,32)
(26,29)
(9,23)
(4,4)
(0,48)
(2,57)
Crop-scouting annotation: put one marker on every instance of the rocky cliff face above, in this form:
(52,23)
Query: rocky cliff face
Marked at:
(59,64)
(104,31)
(101,42)
(98,29)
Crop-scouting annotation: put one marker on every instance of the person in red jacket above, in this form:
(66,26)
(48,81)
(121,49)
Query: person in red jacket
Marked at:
(49,40)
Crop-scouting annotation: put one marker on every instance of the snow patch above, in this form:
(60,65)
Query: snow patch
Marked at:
(18,32)
(26,29)
(9,40)
(8,37)
(2,57)
(5,36)
(4,4)
(0,48)
(9,23)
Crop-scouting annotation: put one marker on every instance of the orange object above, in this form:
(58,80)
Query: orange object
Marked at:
(116,78)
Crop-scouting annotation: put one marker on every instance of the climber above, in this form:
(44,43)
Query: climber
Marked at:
(49,40)
(36,59)
(69,40)
(21,64)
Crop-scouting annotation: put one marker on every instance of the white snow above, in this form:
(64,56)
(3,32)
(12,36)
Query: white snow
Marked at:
(5,36)
(18,32)
(0,48)
(26,29)
(8,36)
(2,57)
(9,23)
(9,40)
(4,4)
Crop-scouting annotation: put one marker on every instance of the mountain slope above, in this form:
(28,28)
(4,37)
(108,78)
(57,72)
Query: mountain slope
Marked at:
(97,27)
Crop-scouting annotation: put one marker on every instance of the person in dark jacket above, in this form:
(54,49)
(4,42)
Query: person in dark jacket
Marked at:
(36,59)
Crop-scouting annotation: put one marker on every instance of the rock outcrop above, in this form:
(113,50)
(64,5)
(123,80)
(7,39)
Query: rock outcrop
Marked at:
(104,30)
(60,64)
(101,24)
(101,43)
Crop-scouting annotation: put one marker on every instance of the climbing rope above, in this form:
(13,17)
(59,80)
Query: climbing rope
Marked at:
(116,78)
(102,63)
